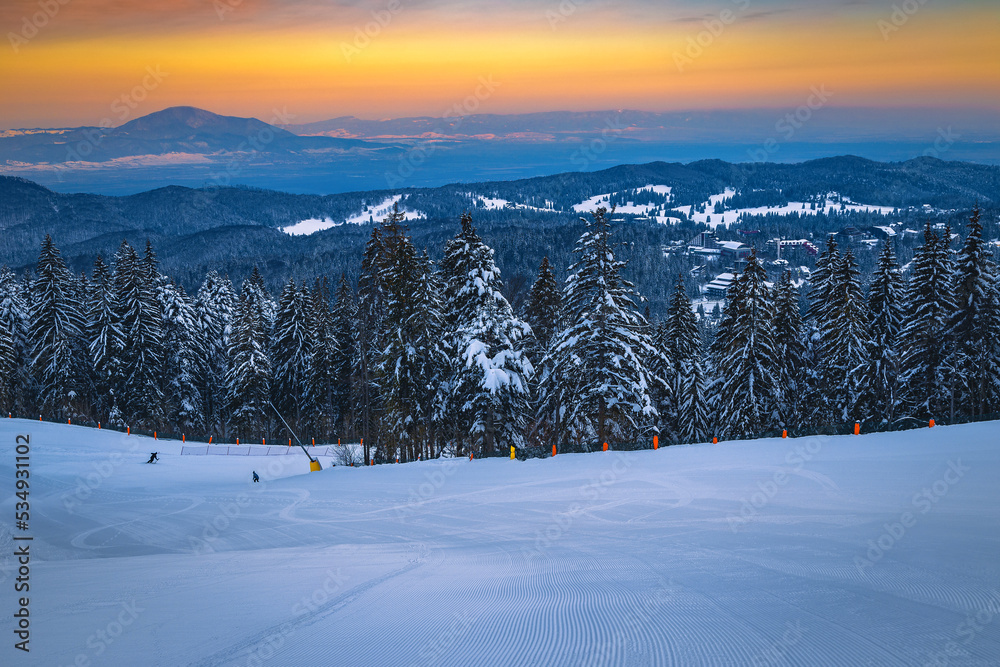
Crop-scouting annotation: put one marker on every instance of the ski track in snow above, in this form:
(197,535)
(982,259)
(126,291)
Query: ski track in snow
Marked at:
(592,559)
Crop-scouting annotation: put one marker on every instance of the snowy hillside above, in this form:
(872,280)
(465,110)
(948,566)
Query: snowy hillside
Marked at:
(870,550)
(370,214)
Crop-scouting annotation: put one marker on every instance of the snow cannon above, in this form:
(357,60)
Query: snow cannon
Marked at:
(314,465)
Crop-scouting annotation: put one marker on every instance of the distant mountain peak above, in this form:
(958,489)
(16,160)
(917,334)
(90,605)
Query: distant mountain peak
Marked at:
(183,120)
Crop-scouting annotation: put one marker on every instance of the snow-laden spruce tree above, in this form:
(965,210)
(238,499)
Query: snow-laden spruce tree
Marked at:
(974,328)
(845,340)
(106,344)
(321,377)
(184,359)
(880,381)
(291,343)
(215,309)
(814,406)
(790,350)
(930,306)
(343,360)
(141,325)
(14,317)
(412,362)
(8,362)
(490,369)
(249,377)
(369,338)
(55,334)
(745,391)
(595,381)
(663,376)
(543,311)
(688,387)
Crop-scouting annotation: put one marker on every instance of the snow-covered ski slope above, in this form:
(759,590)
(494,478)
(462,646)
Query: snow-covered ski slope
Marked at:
(870,550)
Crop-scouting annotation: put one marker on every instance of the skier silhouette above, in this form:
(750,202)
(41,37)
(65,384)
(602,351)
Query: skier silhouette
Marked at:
(255,477)
(152,458)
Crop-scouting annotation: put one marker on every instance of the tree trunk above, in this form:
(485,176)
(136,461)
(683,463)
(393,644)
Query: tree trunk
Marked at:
(601,409)
(489,433)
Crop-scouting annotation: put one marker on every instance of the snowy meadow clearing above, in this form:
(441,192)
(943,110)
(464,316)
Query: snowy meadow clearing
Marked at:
(870,550)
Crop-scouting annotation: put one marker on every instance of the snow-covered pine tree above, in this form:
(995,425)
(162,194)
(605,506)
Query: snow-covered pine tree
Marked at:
(746,390)
(820,282)
(458,309)
(411,363)
(491,371)
(14,317)
(790,371)
(266,304)
(106,345)
(138,313)
(321,377)
(845,342)
(595,378)
(215,309)
(343,361)
(55,334)
(930,306)
(885,316)
(687,381)
(974,328)
(694,414)
(370,332)
(542,312)
(663,378)
(184,359)
(8,361)
(814,406)
(291,351)
(249,377)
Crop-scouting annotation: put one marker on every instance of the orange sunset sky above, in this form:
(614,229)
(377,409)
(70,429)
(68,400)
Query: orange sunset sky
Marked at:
(66,62)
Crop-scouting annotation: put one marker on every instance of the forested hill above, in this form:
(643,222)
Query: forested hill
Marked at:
(234,228)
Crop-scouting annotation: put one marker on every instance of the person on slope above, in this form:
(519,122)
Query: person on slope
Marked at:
(255,477)
(152,458)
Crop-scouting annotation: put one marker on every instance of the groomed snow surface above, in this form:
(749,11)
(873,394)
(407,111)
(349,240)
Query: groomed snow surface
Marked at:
(869,550)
